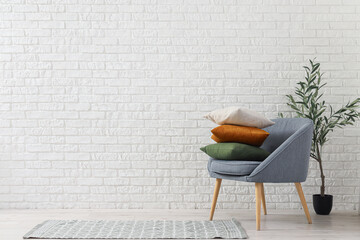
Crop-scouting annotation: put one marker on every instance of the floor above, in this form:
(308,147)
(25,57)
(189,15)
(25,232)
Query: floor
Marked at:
(278,224)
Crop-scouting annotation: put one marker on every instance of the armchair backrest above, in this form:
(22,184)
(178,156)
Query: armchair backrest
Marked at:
(282,130)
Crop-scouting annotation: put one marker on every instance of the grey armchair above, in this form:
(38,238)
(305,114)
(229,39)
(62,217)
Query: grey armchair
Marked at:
(289,143)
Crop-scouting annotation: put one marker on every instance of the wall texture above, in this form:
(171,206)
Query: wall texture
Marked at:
(102,101)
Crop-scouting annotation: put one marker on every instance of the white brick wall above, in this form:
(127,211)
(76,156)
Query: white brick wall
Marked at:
(102,100)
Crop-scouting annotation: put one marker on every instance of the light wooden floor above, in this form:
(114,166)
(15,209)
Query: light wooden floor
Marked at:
(278,224)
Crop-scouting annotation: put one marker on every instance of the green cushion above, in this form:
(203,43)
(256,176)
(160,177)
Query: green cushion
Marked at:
(235,151)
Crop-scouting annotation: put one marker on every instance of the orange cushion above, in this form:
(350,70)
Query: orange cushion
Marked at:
(231,133)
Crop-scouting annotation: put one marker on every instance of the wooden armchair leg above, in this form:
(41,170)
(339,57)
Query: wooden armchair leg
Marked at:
(303,201)
(216,194)
(258,204)
(263,198)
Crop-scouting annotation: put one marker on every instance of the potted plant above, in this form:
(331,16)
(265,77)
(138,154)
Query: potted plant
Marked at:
(308,103)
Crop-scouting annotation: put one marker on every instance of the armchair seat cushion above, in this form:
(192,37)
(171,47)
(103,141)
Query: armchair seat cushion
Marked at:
(232,167)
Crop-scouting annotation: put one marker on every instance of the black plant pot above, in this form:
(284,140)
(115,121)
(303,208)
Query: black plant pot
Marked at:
(322,205)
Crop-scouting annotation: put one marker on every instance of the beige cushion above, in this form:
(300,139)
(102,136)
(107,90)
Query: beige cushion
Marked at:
(239,116)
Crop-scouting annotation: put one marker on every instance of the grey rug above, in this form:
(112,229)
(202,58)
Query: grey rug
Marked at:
(160,229)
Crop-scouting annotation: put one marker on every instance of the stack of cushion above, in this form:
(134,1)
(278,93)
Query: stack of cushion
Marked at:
(239,135)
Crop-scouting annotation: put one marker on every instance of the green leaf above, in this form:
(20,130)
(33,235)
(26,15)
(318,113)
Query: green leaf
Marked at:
(315,67)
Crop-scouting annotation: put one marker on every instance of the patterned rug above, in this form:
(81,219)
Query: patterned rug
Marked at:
(159,229)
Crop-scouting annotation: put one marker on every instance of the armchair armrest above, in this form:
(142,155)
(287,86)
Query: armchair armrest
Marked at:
(289,162)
